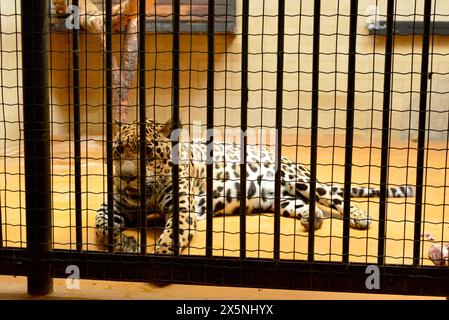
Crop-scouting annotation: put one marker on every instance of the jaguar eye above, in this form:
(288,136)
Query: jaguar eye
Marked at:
(120,149)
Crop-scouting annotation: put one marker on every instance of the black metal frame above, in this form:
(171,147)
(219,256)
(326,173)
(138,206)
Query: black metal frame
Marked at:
(422,132)
(37,144)
(109,121)
(39,263)
(142,118)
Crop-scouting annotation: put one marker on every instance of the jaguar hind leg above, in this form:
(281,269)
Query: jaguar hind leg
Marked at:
(298,208)
(327,196)
(297,177)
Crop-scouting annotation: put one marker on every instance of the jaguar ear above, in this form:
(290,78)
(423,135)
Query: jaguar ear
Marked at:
(168,128)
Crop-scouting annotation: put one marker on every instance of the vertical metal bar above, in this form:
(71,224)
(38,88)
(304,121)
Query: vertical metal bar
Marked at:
(35,28)
(143,119)
(385,134)
(278,153)
(349,128)
(421,132)
(210,126)
(77,135)
(109,124)
(243,125)
(175,120)
(314,127)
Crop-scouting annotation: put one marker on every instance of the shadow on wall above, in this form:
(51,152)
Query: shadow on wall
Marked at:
(437,115)
(193,79)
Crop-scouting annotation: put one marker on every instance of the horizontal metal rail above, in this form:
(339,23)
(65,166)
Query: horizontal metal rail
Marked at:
(251,272)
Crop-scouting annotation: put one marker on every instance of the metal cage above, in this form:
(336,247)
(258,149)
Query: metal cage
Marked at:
(40,260)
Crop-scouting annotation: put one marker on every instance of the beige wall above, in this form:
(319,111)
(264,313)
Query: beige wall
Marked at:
(262,84)
(10,76)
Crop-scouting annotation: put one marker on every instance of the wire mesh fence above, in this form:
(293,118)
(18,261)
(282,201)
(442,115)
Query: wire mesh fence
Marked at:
(273,144)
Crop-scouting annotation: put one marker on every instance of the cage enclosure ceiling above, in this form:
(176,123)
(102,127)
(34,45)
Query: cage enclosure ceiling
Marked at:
(277,144)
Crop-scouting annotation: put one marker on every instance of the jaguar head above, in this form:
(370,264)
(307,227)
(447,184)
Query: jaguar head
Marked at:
(127,155)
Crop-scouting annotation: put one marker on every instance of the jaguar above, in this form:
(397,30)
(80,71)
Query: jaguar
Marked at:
(192,158)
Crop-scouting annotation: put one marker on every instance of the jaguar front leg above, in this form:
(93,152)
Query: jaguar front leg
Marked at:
(187,223)
(121,242)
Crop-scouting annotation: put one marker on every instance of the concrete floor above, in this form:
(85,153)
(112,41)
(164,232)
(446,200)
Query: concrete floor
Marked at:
(15,288)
